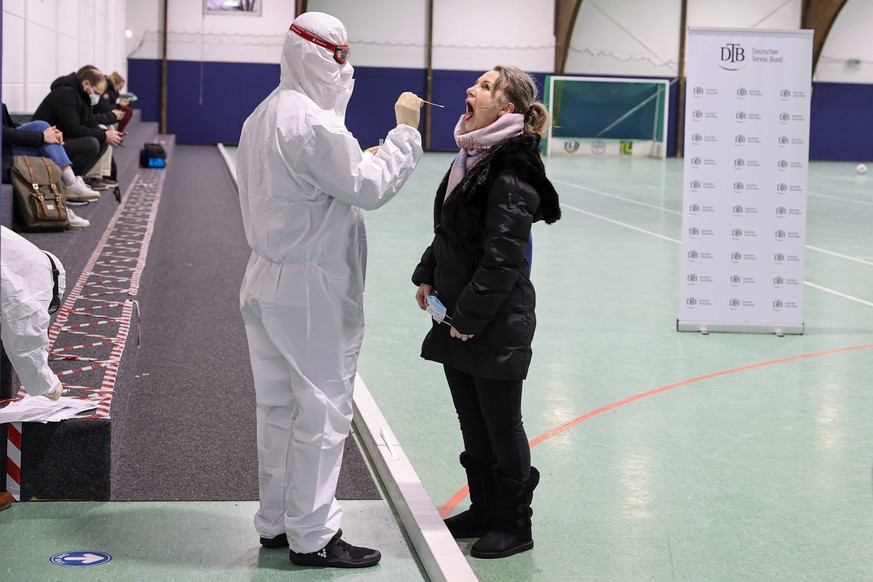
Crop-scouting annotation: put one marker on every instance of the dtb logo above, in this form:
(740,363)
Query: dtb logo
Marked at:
(732,53)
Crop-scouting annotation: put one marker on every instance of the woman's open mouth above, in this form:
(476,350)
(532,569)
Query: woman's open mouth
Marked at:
(469,113)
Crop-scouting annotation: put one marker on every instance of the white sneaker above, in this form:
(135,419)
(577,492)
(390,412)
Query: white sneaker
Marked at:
(76,221)
(79,190)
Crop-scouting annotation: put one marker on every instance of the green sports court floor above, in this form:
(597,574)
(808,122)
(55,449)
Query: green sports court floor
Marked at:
(664,456)
(720,457)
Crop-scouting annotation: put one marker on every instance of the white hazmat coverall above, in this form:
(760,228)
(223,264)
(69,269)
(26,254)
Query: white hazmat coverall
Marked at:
(27,289)
(303,181)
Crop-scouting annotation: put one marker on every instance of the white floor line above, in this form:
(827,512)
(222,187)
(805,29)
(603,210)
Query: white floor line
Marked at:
(662,209)
(231,166)
(850,200)
(438,551)
(624,224)
(839,294)
(840,255)
(673,240)
(617,197)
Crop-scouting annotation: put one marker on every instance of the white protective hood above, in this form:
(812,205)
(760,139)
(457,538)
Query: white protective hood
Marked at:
(311,69)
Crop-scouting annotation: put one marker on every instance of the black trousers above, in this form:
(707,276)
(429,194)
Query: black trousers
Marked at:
(84,153)
(490,415)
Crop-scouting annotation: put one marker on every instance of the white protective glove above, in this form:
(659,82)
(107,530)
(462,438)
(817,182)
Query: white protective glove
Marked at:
(55,393)
(408,109)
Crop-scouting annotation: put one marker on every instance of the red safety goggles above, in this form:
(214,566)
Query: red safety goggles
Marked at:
(340,52)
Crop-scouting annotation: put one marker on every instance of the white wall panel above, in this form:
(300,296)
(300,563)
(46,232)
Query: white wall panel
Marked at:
(44,39)
(13,55)
(784,14)
(13,97)
(13,8)
(476,36)
(195,36)
(68,55)
(34,94)
(143,18)
(621,38)
(847,55)
(390,33)
(45,12)
(41,50)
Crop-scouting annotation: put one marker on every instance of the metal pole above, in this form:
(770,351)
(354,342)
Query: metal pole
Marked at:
(680,117)
(164,69)
(429,49)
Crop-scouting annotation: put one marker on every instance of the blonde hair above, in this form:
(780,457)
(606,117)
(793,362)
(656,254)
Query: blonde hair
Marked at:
(116,80)
(518,88)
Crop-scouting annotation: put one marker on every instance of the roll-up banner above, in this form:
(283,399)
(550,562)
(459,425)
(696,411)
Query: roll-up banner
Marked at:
(745,179)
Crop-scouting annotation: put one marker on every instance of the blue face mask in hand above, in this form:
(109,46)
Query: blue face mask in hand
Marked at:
(436,309)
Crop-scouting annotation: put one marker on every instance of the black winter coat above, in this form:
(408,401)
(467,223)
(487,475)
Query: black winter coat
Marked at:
(68,107)
(14,136)
(476,261)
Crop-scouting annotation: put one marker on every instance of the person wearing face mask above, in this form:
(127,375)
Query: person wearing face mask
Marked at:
(474,279)
(303,184)
(68,107)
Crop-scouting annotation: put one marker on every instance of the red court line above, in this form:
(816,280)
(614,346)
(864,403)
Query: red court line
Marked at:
(450,505)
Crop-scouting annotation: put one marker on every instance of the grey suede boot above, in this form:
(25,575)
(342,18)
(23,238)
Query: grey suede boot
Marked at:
(477,520)
(512,533)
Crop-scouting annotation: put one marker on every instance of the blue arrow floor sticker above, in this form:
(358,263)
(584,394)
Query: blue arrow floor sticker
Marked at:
(82,558)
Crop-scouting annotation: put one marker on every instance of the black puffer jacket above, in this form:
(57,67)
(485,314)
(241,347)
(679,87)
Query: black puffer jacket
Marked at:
(476,261)
(14,136)
(67,106)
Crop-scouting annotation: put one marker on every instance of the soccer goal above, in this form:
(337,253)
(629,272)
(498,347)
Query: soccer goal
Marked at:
(606,116)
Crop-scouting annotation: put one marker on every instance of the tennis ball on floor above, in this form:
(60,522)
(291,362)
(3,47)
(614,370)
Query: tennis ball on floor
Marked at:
(861,169)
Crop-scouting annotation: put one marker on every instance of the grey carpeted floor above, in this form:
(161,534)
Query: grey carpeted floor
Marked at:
(189,415)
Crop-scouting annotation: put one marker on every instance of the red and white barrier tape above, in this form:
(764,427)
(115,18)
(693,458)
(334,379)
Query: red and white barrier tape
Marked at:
(129,231)
(13,460)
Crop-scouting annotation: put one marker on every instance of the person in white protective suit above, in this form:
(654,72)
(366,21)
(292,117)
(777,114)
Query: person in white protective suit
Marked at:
(30,291)
(303,182)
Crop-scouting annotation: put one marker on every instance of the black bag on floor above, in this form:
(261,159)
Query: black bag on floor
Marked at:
(153,155)
(39,200)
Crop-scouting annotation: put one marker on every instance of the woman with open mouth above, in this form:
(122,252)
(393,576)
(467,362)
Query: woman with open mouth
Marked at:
(475,279)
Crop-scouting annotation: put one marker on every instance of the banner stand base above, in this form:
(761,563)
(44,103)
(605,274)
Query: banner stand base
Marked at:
(707,327)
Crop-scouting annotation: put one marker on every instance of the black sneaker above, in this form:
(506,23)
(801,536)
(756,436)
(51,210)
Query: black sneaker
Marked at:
(280,541)
(96,184)
(338,554)
(109,181)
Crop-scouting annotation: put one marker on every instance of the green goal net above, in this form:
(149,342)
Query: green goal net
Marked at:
(605,116)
